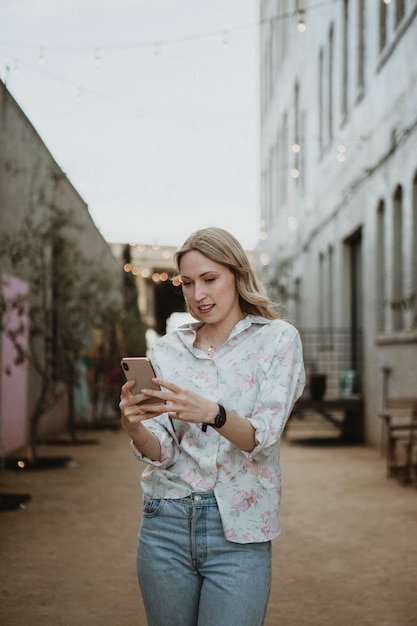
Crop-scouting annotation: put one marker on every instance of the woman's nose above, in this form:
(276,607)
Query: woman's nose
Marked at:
(199,292)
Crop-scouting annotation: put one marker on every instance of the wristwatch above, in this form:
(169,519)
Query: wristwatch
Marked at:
(220,418)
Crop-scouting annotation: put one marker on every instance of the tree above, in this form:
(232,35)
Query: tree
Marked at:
(69,298)
(133,327)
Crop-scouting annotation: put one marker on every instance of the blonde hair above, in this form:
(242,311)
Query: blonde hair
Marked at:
(219,245)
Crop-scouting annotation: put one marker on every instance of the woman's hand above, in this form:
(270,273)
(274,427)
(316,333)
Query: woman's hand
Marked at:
(181,404)
(132,417)
(132,412)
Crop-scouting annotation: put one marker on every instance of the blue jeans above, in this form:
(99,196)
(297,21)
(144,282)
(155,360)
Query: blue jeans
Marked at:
(190,575)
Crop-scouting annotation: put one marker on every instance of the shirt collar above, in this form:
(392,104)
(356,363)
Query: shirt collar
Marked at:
(187,332)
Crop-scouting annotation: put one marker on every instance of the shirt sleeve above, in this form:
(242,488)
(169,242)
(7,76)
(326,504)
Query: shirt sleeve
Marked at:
(282,386)
(164,431)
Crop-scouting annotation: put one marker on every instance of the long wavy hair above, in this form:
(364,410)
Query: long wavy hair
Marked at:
(219,245)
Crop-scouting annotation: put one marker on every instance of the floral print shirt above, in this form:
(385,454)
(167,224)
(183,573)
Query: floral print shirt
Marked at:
(258,373)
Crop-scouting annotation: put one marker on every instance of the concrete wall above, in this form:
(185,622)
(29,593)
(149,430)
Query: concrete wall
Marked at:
(349,100)
(30,181)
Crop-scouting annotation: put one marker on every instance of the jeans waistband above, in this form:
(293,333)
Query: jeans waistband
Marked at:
(201,496)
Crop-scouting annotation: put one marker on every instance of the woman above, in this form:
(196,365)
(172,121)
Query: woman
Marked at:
(212,482)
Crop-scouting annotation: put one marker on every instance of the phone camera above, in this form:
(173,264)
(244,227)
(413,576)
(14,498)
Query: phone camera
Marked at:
(125,366)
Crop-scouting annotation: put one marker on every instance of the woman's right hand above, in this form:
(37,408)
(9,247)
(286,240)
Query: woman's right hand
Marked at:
(132,413)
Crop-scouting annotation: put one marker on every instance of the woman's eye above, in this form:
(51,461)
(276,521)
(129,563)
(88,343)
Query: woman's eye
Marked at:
(185,284)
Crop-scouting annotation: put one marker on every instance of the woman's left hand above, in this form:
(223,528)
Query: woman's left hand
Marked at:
(181,404)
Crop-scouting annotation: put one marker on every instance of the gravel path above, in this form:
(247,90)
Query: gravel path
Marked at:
(347,555)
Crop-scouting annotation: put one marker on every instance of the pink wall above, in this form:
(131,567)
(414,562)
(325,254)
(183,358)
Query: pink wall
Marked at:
(13,391)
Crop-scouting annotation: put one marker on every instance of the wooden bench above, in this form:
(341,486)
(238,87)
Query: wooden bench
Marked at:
(399,416)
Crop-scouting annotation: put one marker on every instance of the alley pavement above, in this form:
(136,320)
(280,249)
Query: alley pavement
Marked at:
(347,555)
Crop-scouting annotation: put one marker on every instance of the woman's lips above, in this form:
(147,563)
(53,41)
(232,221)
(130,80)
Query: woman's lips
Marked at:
(206,308)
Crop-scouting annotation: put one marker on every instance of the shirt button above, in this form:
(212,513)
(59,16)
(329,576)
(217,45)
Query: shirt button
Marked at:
(197,498)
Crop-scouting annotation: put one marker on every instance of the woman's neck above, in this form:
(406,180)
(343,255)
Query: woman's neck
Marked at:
(217,334)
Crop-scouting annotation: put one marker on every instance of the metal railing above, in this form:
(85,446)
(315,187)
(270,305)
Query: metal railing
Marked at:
(336,353)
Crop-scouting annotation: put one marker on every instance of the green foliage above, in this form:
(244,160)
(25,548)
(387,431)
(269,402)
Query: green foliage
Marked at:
(70,297)
(134,329)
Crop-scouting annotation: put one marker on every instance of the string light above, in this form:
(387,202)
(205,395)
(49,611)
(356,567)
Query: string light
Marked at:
(292,222)
(264,258)
(301,26)
(225,43)
(341,150)
(296,148)
(295,173)
(387,1)
(41,58)
(97,58)
(157,54)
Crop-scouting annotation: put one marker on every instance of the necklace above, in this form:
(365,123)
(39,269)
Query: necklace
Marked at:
(211,347)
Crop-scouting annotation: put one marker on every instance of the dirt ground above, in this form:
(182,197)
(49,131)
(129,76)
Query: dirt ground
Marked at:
(347,554)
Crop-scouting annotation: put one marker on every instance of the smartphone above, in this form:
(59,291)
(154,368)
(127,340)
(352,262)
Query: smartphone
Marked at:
(141,371)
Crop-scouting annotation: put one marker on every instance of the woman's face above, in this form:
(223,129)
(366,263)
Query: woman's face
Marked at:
(210,289)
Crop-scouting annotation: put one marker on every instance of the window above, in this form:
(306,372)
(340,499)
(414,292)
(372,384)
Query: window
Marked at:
(397,262)
(345,57)
(380,268)
(399,11)
(330,289)
(321,99)
(414,253)
(382,25)
(326,92)
(321,291)
(284,159)
(330,86)
(361,44)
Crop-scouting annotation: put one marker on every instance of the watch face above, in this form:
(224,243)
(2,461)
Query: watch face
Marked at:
(220,417)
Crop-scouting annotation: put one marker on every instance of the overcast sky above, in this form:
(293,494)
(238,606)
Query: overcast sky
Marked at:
(149,106)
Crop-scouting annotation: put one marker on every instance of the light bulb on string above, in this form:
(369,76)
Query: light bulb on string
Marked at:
(295,173)
(387,1)
(157,54)
(264,259)
(225,43)
(292,222)
(341,153)
(301,26)
(41,57)
(97,58)
(296,148)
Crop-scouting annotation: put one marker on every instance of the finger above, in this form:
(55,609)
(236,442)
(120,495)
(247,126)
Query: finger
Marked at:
(167,384)
(154,409)
(128,384)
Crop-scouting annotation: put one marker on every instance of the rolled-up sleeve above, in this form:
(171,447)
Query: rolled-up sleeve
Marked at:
(161,428)
(282,386)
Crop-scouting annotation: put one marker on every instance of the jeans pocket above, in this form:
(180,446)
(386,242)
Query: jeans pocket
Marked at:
(152,506)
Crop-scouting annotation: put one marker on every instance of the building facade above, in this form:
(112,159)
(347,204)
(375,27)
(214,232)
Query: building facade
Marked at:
(339,188)
(32,185)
